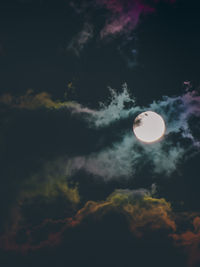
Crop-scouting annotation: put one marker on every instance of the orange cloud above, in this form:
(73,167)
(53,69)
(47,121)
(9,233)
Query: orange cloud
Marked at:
(190,241)
(139,208)
(143,213)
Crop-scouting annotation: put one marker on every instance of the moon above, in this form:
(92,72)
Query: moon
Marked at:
(149,127)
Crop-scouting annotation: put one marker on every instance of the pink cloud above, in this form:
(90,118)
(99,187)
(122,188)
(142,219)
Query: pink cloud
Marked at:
(125,14)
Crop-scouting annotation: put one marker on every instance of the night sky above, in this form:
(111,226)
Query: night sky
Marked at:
(77,188)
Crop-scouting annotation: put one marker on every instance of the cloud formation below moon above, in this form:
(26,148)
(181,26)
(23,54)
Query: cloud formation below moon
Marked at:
(115,155)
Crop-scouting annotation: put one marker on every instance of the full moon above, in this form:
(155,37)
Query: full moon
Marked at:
(149,127)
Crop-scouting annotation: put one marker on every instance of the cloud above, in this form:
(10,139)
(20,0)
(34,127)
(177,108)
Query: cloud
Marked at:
(125,16)
(124,154)
(138,206)
(123,158)
(142,212)
(190,241)
(81,39)
(111,163)
(42,189)
(31,101)
(50,182)
(120,19)
(176,110)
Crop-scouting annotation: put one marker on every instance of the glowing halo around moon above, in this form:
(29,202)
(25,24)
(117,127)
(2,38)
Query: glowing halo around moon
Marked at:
(149,127)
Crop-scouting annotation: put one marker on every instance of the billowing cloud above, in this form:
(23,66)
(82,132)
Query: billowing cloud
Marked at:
(141,210)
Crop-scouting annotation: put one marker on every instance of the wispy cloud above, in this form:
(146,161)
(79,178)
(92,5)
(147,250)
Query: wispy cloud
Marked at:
(125,15)
(79,41)
(120,19)
(124,155)
(122,158)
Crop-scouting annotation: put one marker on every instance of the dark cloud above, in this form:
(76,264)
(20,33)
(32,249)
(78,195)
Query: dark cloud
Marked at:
(138,206)
(190,241)
(142,212)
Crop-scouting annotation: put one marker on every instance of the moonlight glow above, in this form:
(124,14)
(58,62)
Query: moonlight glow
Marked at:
(149,127)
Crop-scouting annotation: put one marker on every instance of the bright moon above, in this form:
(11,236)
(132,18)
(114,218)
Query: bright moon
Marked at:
(149,127)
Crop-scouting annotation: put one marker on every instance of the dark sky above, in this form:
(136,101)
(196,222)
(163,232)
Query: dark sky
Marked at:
(34,36)
(76,187)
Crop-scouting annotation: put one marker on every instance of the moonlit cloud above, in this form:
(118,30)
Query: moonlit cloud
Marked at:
(122,158)
(124,155)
